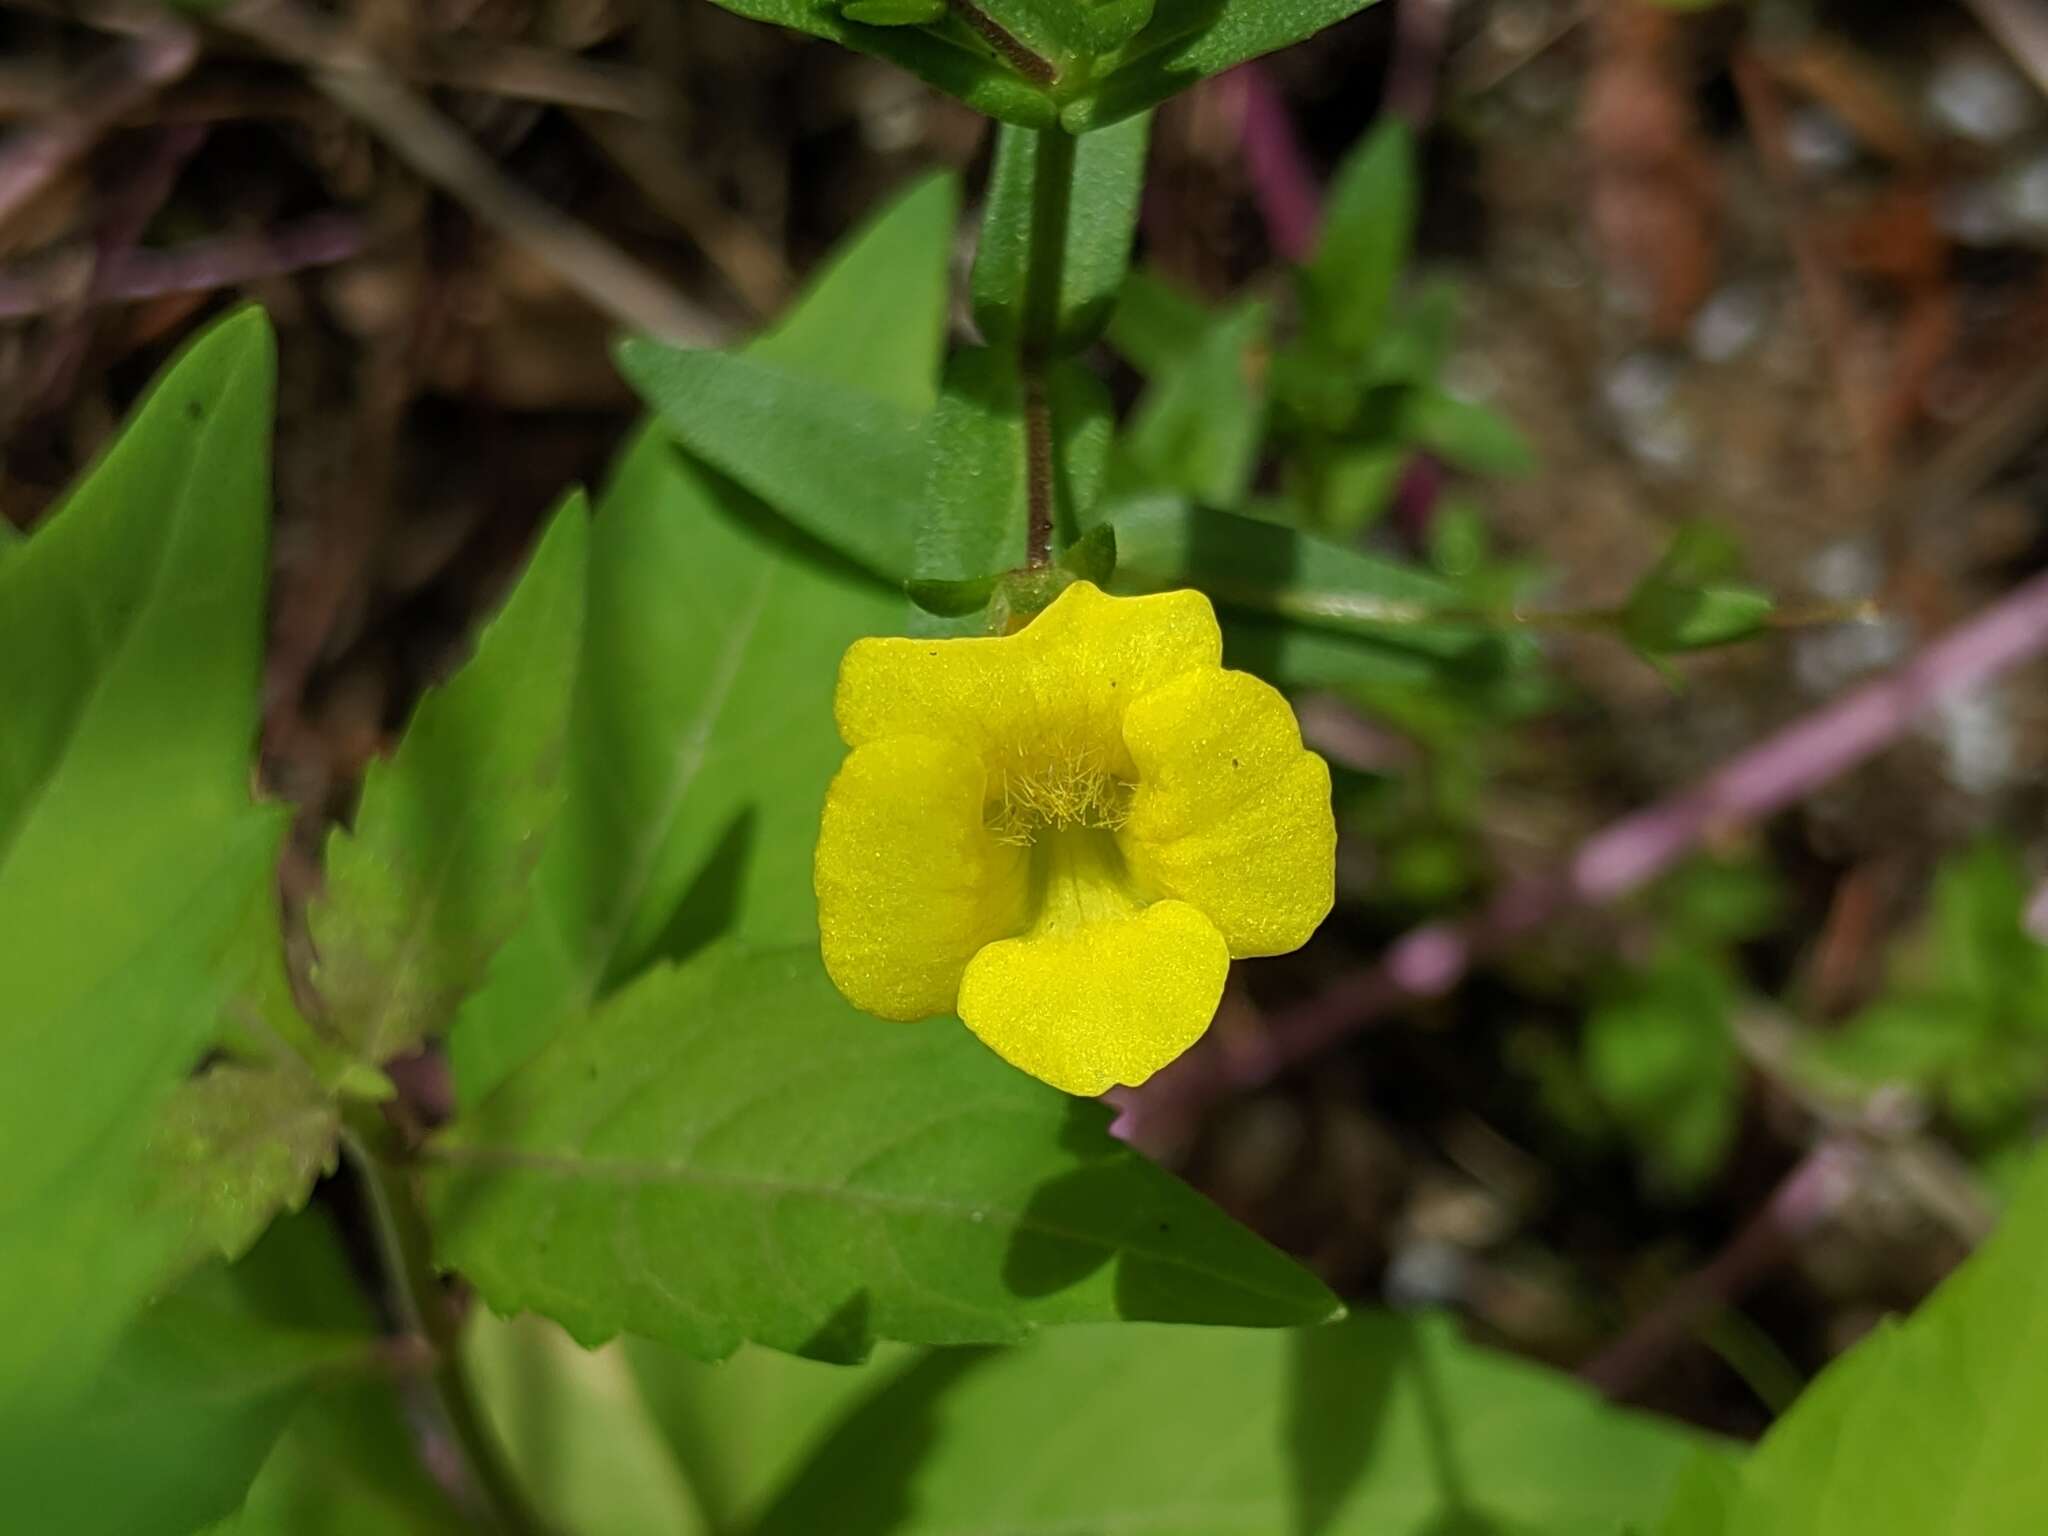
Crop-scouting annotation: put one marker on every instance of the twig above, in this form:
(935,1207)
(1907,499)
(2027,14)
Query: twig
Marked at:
(1805,1198)
(1290,202)
(606,277)
(526,73)
(199,266)
(2023,27)
(1419,34)
(1616,861)
(100,96)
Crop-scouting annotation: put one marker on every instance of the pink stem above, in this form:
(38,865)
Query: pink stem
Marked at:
(1805,1198)
(32,157)
(1430,960)
(1289,199)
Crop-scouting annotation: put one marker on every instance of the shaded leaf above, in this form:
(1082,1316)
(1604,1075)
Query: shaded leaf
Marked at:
(131,632)
(1378,1426)
(1466,434)
(702,744)
(741,1427)
(729,1151)
(184,1414)
(1155,325)
(577,1431)
(434,875)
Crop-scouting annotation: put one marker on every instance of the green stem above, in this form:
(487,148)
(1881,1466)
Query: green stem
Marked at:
(1052,200)
(423,1310)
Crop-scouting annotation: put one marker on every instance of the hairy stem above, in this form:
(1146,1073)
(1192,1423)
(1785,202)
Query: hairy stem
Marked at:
(423,1310)
(1052,198)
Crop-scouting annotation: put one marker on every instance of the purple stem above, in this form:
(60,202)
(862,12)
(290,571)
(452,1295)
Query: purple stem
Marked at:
(108,89)
(202,265)
(1806,1197)
(1285,187)
(1430,960)
(1419,33)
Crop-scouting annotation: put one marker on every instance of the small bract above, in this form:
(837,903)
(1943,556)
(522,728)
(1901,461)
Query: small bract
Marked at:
(1064,835)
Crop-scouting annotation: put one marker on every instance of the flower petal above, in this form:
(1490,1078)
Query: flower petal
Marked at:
(910,883)
(1231,813)
(1087,1007)
(1065,677)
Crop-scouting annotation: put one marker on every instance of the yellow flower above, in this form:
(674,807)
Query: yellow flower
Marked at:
(1065,834)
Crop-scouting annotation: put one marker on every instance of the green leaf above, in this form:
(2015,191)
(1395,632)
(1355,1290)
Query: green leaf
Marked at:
(238,1144)
(1188,40)
(822,416)
(131,633)
(702,735)
(577,1432)
(1379,1426)
(873,318)
(951,57)
(976,501)
(730,1151)
(346,1465)
(844,467)
(1088,240)
(700,751)
(1157,326)
(1688,603)
(1662,1057)
(1307,613)
(894,13)
(434,876)
(184,1414)
(1198,428)
(1368,231)
(1982,947)
(1930,1427)
(1466,434)
(742,1427)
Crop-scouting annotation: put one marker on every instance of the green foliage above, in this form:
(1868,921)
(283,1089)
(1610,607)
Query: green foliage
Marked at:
(1063,206)
(1379,1425)
(1346,402)
(653,1170)
(1965,1023)
(1368,230)
(187,1408)
(573,1422)
(1199,428)
(432,879)
(742,1428)
(702,735)
(1929,1427)
(1690,601)
(130,639)
(948,54)
(1188,40)
(839,333)
(345,1462)
(1660,1053)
